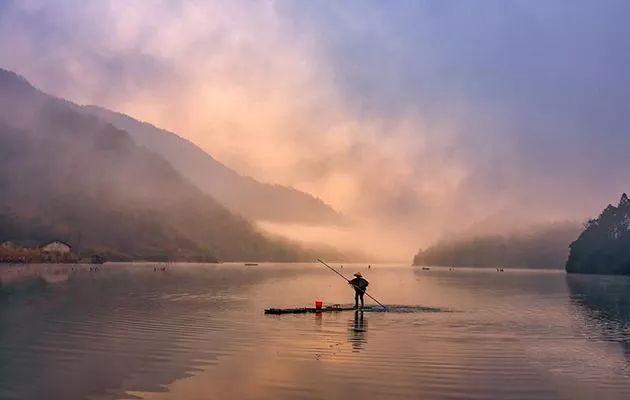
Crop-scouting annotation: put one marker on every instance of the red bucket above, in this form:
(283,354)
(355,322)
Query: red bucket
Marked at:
(318,304)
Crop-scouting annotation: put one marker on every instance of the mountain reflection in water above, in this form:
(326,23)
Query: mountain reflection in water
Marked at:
(604,303)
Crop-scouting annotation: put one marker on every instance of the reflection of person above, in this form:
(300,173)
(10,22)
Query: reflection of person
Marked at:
(360,285)
(358,328)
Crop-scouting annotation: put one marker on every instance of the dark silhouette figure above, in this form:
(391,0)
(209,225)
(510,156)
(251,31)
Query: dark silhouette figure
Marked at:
(360,285)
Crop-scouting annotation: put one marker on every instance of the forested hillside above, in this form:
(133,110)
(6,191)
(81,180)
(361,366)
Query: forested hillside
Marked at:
(540,247)
(604,246)
(66,174)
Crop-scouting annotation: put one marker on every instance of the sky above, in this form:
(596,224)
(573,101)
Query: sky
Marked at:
(417,119)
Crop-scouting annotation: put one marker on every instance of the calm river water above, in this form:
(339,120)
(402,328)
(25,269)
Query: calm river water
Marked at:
(199,332)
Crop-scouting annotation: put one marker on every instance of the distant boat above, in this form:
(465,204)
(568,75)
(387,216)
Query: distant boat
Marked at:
(251,264)
(425,268)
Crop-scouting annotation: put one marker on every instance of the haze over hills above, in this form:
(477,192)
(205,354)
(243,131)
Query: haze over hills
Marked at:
(66,174)
(544,246)
(242,194)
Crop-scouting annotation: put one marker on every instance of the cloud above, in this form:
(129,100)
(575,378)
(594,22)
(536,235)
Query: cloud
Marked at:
(417,118)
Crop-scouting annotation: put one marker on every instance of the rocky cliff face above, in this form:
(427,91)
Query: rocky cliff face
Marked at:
(604,246)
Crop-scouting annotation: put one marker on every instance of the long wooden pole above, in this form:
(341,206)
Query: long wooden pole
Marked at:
(348,280)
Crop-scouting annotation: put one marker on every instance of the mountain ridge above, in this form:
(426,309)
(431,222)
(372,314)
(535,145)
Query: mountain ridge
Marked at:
(69,175)
(544,246)
(242,194)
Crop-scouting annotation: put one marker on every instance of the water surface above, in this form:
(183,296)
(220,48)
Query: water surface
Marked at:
(199,332)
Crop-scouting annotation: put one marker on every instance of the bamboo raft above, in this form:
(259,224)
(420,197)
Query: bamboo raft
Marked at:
(305,310)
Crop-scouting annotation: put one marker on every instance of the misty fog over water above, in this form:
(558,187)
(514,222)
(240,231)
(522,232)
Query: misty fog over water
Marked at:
(199,332)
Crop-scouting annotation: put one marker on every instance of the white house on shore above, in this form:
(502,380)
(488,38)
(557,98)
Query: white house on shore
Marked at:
(56,246)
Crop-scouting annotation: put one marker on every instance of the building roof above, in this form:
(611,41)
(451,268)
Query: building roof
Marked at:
(55,241)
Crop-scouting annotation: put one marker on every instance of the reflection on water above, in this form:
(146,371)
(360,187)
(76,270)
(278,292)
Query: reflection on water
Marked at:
(198,332)
(357,330)
(606,298)
(604,303)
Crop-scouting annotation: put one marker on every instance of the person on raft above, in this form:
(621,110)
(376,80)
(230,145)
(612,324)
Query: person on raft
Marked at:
(360,285)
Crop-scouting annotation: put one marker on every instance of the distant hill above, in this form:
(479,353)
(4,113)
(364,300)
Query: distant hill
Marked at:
(68,175)
(540,247)
(241,194)
(604,245)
